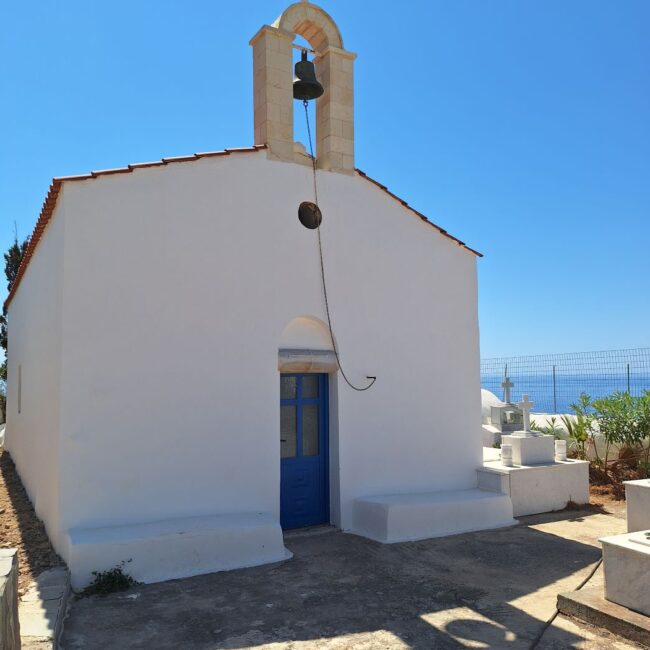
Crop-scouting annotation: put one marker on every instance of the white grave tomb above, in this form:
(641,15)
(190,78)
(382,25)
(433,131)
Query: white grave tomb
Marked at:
(637,497)
(529,447)
(626,561)
(506,416)
(534,472)
(499,416)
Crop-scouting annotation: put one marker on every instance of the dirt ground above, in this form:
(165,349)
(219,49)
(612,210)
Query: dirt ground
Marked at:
(602,496)
(20,527)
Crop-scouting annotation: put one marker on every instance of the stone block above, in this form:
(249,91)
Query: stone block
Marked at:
(9,625)
(589,605)
(531,450)
(637,497)
(626,561)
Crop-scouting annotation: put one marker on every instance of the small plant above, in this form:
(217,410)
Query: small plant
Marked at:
(551,429)
(578,430)
(584,426)
(108,582)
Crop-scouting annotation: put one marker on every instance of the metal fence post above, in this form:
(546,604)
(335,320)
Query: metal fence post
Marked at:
(554,392)
(628,379)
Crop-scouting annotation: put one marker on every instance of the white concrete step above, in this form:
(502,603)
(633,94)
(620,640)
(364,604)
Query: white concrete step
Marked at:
(176,548)
(407,517)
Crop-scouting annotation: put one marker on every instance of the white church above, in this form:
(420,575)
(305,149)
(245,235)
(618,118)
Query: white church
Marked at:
(176,395)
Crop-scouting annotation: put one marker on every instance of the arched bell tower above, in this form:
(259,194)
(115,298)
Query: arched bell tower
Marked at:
(273,83)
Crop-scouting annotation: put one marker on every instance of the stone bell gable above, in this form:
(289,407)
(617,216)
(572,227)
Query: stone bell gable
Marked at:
(273,80)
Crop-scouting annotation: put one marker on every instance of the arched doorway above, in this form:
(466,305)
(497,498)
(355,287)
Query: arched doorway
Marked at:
(305,359)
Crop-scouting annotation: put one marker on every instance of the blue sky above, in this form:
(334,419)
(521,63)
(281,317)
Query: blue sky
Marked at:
(522,127)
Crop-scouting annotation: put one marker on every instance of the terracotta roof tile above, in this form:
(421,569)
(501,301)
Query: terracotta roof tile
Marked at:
(442,231)
(50,200)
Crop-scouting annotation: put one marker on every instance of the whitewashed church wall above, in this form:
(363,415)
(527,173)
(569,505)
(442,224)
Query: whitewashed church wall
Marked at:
(181,281)
(407,313)
(34,373)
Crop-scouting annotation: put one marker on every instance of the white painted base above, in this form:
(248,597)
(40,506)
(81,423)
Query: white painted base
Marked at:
(541,488)
(491,435)
(530,450)
(176,548)
(637,497)
(408,517)
(626,559)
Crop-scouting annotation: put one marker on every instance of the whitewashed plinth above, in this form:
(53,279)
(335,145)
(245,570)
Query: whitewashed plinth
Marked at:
(491,435)
(626,560)
(176,548)
(538,488)
(528,449)
(637,497)
(407,517)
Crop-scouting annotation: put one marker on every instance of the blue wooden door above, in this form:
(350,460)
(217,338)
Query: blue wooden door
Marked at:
(304,494)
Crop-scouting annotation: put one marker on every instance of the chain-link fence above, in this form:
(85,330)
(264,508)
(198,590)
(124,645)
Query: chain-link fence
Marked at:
(555,381)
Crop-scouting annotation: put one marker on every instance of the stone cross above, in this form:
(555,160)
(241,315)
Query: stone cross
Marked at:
(526,405)
(507,385)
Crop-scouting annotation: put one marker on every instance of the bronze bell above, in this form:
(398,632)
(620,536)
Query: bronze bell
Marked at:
(305,84)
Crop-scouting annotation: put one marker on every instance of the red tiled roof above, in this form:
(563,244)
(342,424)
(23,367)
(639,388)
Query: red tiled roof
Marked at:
(50,201)
(442,231)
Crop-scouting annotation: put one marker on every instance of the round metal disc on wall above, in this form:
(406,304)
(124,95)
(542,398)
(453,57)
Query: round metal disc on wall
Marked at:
(310,215)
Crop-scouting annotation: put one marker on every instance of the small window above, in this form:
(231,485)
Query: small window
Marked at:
(20,388)
(288,431)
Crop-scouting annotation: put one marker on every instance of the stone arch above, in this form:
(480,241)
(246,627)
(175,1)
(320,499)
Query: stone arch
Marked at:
(312,23)
(306,346)
(306,332)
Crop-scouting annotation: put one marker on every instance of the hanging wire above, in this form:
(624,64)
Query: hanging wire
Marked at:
(322,268)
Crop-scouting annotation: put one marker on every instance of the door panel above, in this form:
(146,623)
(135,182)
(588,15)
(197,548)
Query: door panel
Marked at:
(304,493)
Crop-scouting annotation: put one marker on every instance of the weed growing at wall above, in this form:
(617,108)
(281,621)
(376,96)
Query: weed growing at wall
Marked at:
(111,581)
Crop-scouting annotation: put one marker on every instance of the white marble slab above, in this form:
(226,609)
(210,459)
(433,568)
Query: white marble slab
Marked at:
(626,561)
(637,496)
(530,449)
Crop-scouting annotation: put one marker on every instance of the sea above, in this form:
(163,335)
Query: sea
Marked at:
(556,394)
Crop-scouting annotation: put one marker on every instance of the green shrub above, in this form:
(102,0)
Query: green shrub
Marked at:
(619,418)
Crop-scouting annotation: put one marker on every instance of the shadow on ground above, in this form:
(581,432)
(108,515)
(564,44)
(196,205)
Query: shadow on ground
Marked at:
(21,528)
(344,591)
